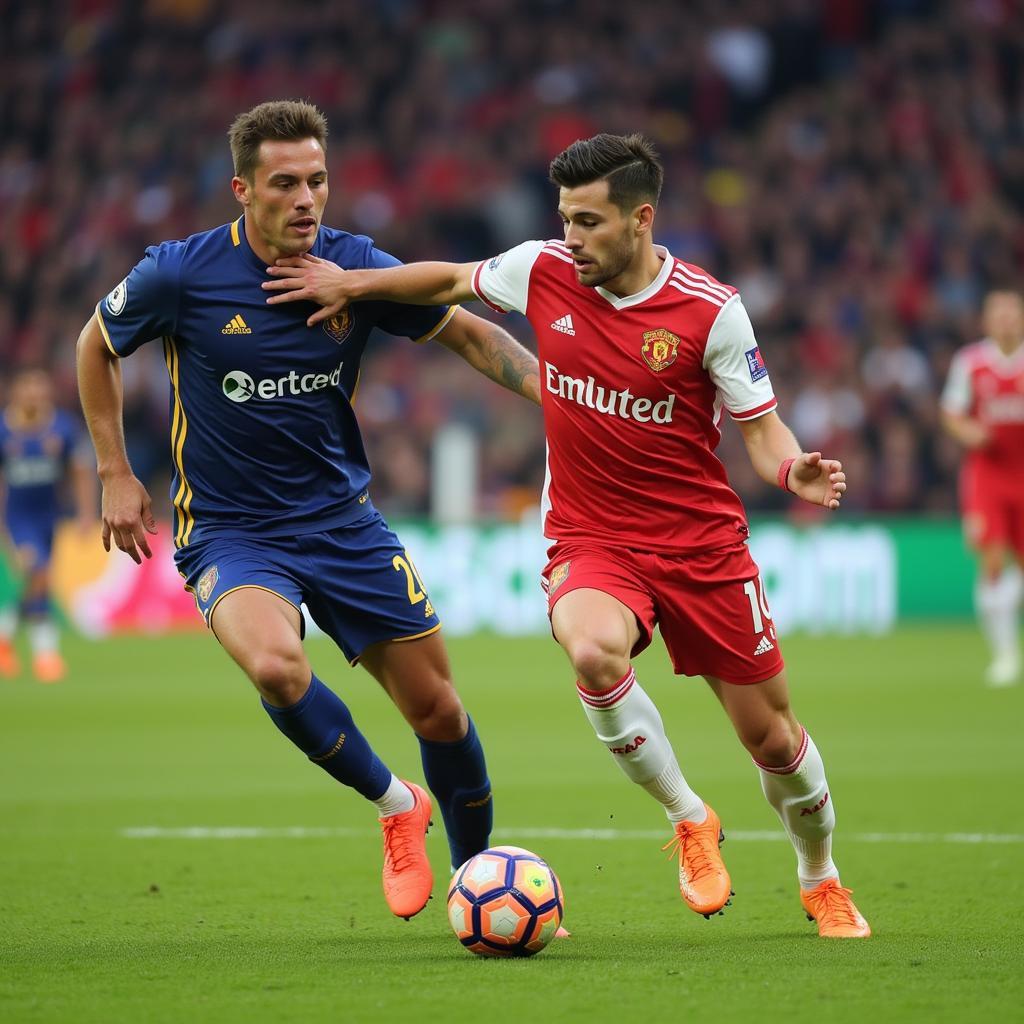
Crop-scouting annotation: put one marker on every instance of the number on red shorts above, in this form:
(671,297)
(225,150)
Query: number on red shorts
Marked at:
(759,610)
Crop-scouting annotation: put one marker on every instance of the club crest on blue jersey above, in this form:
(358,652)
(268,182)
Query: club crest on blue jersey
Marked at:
(756,364)
(339,326)
(206,583)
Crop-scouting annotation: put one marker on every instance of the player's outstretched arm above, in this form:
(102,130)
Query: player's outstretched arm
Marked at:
(776,455)
(493,352)
(308,278)
(125,506)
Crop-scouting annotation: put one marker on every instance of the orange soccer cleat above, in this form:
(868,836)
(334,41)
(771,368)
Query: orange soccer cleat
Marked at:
(830,905)
(9,666)
(703,881)
(48,667)
(407,874)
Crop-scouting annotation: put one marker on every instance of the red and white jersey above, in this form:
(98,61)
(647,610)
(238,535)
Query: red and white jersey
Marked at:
(633,391)
(988,386)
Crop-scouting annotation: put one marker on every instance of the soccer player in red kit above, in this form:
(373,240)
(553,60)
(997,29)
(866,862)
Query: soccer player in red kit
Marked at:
(640,353)
(983,408)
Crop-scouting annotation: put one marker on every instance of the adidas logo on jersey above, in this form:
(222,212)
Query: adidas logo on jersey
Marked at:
(764,646)
(236,325)
(564,324)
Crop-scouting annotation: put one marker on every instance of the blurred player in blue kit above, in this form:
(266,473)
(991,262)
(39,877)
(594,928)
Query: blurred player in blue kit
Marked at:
(40,448)
(270,488)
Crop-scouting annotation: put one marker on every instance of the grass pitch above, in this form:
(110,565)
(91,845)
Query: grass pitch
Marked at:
(110,914)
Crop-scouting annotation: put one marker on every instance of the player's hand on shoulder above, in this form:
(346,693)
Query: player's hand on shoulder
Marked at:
(818,480)
(307,278)
(127,513)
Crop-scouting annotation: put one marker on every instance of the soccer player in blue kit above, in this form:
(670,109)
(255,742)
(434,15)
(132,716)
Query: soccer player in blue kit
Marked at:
(39,448)
(271,507)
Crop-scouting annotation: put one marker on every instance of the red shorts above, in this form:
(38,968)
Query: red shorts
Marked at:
(993,519)
(710,607)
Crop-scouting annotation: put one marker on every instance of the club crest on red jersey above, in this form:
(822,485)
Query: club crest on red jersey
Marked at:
(558,576)
(339,326)
(207,582)
(659,349)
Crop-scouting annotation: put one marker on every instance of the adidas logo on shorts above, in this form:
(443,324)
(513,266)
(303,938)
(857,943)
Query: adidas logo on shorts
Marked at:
(764,646)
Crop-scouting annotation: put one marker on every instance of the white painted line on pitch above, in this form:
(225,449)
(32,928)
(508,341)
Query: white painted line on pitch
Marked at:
(600,834)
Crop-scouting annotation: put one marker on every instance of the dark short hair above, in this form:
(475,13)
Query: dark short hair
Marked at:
(283,120)
(629,163)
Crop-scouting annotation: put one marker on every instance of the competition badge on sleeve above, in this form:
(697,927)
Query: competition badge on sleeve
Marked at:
(117,298)
(756,364)
(659,349)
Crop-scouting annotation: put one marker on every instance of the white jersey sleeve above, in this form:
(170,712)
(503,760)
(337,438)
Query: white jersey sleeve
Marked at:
(956,395)
(504,281)
(733,361)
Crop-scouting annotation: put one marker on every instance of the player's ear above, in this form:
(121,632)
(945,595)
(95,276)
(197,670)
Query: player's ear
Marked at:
(643,218)
(241,189)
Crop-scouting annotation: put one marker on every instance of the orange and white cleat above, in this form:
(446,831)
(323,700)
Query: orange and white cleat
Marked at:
(407,875)
(830,905)
(9,666)
(703,881)
(49,667)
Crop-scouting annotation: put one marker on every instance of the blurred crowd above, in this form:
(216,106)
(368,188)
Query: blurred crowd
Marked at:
(854,167)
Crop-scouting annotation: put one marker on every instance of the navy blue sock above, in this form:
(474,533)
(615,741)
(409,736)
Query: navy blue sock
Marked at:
(320,725)
(457,775)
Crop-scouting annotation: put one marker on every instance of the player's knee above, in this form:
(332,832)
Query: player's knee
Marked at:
(441,719)
(775,743)
(598,665)
(282,677)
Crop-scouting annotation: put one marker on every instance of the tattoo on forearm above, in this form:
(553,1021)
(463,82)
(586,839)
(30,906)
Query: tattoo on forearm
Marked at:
(508,363)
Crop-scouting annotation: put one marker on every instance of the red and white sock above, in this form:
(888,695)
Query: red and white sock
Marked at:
(997,602)
(628,724)
(799,793)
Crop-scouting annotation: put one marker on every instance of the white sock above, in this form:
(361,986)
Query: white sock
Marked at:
(628,724)
(42,636)
(799,793)
(396,799)
(8,623)
(997,602)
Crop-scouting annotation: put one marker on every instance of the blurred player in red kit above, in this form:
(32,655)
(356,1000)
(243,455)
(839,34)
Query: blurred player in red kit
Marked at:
(983,408)
(640,354)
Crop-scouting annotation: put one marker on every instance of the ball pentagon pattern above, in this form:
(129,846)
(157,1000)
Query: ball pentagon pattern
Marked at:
(505,901)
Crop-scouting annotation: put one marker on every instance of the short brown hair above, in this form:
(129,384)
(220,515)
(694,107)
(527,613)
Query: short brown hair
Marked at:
(629,163)
(285,120)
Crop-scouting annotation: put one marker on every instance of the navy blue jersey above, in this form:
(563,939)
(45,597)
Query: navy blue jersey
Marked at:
(263,435)
(33,463)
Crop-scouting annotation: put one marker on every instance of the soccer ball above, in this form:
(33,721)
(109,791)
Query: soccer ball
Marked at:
(505,902)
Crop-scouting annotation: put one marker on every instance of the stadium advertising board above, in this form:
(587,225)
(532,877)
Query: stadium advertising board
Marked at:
(847,578)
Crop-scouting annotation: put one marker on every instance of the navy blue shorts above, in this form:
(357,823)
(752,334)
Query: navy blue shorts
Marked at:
(33,540)
(357,581)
